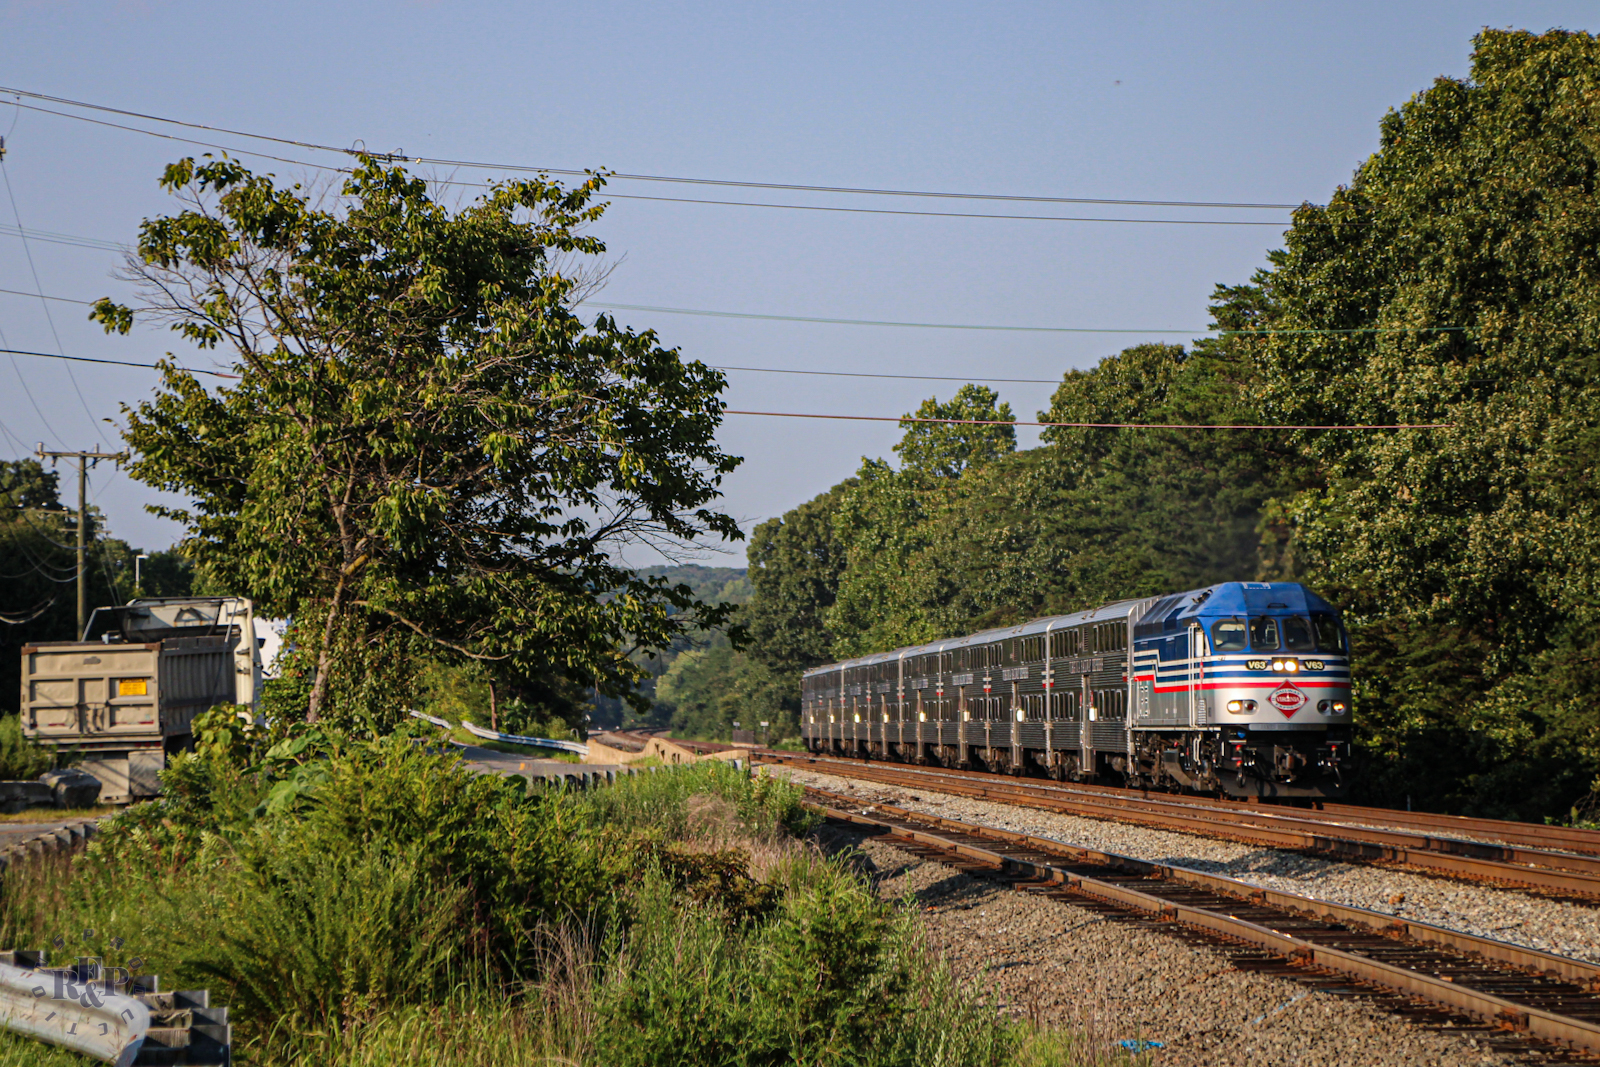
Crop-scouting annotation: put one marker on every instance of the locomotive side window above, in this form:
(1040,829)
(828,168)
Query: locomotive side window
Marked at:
(1297,633)
(1330,636)
(1263,634)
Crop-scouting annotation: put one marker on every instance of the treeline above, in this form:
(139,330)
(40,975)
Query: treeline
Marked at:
(1453,287)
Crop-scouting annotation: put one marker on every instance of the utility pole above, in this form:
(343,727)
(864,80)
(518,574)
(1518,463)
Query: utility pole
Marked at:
(85,461)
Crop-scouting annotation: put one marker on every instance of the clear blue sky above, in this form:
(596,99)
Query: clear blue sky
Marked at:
(1258,102)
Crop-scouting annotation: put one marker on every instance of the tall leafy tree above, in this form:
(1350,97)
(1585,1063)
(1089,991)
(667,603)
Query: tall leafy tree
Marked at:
(1468,246)
(887,520)
(426,448)
(944,450)
(795,563)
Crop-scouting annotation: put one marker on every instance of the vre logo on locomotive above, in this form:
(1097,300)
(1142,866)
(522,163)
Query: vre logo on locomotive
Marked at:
(1287,699)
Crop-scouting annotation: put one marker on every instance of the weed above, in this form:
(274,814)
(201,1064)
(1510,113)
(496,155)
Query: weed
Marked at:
(20,758)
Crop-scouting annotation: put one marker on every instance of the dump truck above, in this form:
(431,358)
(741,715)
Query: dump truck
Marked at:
(122,698)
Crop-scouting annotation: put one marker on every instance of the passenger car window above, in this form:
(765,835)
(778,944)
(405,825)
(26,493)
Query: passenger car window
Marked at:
(1263,634)
(1297,633)
(1330,635)
(1227,635)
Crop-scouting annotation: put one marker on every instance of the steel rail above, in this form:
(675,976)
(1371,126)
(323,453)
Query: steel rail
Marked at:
(1566,838)
(1569,838)
(1529,982)
(1548,872)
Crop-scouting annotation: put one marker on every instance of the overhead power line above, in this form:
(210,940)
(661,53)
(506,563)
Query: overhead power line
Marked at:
(715,203)
(943,214)
(906,324)
(908,377)
(54,238)
(1007,328)
(719,182)
(112,362)
(1090,425)
(36,296)
(27,249)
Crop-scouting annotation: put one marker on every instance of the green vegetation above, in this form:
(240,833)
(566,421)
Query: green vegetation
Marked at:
(20,758)
(369,901)
(1463,255)
(702,685)
(429,455)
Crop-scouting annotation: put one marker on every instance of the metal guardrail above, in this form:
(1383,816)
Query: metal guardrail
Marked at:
(109,1015)
(105,1026)
(536,742)
(61,839)
(510,739)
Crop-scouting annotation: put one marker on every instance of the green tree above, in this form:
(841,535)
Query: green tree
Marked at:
(427,449)
(945,449)
(888,519)
(706,691)
(1470,243)
(1096,514)
(795,564)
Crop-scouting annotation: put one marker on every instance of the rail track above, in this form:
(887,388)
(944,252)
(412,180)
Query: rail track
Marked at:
(1333,835)
(1451,980)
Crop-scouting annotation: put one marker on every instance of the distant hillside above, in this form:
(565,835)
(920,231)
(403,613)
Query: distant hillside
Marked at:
(717,585)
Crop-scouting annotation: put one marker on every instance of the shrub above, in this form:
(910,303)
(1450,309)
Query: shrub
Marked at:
(20,757)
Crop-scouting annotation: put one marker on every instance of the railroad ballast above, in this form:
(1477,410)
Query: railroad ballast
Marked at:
(1241,688)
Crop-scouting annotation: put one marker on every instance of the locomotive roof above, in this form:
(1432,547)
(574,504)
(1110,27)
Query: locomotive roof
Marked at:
(1224,598)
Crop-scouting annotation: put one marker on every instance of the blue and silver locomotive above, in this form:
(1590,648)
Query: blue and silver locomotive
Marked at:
(1242,688)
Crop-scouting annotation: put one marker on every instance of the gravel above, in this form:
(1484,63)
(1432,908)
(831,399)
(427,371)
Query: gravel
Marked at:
(1060,965)
(1561,927)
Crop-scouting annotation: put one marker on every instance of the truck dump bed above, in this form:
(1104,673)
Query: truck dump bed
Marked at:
(124,697)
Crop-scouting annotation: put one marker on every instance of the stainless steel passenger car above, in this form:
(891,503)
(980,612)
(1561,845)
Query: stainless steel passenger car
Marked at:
(1242,688)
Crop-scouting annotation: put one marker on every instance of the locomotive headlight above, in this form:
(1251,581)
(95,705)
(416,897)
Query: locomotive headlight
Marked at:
(1338,707)
(1236,706)
(1290,665)
(1277,664)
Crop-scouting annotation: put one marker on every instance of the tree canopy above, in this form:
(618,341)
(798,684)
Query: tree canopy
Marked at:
(427,448)
(1468,246)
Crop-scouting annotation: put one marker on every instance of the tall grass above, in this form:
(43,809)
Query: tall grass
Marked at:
(660,800)
(403,910)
